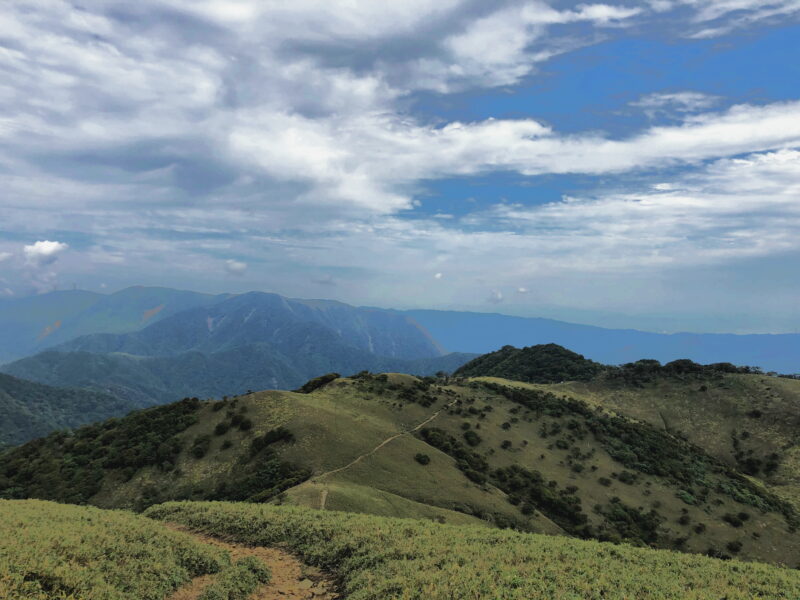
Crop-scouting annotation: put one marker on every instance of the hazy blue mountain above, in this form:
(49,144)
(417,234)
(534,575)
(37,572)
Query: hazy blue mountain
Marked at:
(486,332)
(30,410)
(250,341)
(258,318)
(30,325)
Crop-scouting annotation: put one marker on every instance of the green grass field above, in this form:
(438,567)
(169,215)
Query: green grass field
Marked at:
(380,559)
(54,551)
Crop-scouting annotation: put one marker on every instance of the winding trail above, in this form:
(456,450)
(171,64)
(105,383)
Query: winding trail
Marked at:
(359,458)
(291,579)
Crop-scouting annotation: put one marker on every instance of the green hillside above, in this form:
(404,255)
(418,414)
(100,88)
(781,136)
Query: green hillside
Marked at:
(30,410)
(450,450)
(750,422)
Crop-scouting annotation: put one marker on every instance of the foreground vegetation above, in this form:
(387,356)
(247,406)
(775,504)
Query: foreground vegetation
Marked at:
(379,558)
(52,551)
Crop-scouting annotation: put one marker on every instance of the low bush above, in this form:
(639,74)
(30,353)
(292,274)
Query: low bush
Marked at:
(54,551)
(378,558)
(238,581)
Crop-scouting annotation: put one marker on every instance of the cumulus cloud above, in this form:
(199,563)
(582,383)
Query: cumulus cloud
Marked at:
(4,256)
(235,267)
(197,128)
(43,252)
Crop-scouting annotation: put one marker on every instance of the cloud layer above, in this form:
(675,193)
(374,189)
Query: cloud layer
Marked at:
(290,136)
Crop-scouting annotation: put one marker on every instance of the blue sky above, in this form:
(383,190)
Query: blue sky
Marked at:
(629,164)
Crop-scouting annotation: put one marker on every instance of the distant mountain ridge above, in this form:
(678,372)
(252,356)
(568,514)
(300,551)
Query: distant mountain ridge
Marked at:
(485,332)
(259,318)
(250,341)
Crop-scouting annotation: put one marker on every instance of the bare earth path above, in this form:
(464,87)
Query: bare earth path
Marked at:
(358,459)
(291,579)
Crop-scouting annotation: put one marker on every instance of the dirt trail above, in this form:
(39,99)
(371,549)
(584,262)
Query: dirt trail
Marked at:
(291,579)
(358,459)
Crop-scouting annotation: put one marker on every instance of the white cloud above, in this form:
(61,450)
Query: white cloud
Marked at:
(44,252)
(438,276)
(4,256)
(223,128)
(719,17)
(235,267)
(675,102)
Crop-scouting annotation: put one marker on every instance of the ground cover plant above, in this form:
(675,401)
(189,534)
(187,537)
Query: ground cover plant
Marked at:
(52,551)
(381,558)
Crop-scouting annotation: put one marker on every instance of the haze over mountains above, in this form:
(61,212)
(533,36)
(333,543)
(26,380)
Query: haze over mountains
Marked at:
(145,346)
(485,332)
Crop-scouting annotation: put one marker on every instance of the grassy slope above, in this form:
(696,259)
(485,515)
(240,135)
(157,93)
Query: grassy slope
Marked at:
(332,427)
(350,418)
(711,413)
(378,558)
(52,551)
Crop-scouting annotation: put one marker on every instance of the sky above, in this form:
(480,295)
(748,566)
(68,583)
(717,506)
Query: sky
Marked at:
(625,164)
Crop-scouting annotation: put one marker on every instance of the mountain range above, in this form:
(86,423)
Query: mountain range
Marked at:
(145,346)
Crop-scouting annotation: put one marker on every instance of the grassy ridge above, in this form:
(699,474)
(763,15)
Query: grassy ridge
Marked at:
(52,551)
(381,558)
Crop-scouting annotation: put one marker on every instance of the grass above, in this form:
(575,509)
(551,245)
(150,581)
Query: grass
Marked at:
(382,558)
(52,551)
(238,581)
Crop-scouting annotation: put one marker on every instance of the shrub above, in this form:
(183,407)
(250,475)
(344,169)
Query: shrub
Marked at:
(732,520)
(700,528)
(200,446)
(239,581)
(422,459)
(506,444)
(734,546)
(472,438)
(317,383)
(604,481)
(245,424)
(222,428)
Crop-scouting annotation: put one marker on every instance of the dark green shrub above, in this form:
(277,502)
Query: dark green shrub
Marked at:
(222,428)
(422,459)
(700,528)
(317,383)
(200,446)
(734,546)
(732,520)
(472,438)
